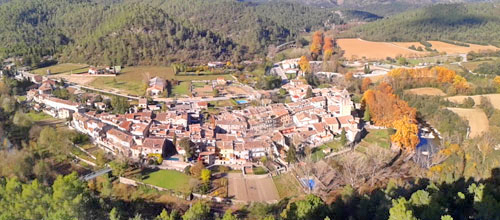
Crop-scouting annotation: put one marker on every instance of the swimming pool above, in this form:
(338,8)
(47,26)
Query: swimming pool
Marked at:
(240,102)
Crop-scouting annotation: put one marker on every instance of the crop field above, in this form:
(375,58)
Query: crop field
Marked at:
(64,68)
(478,122)
(494,99)
(409,44)
(426,91)
(358,48)
(455,49)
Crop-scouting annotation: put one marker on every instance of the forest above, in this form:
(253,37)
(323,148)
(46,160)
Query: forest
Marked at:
(131,32)
(472,23)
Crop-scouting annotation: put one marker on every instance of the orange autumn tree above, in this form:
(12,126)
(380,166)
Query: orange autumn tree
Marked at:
(327,48)
(386,109)
(460,83)
(348,76)
(497,82)
(406,136)
(443,75)
(304,64)
(316,43)
(366,83)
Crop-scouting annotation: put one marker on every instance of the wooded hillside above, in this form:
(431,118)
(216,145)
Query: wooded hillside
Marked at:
(473,23)
(132,32)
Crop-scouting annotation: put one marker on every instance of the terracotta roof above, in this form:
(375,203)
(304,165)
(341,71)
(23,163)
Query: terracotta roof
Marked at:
(154,143)
(126,125)
(120,135)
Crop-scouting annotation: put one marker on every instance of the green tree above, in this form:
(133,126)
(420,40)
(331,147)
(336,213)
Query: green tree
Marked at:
(187,146)
(309,93)
(205,175)
(228,215)
(469,103)
(199,211)
(312,207)
(366,116)
(114,215)
(165,216)
(291,155)
(120,104)
(446,217)
(343,137)
(401,210)
(118,166)
(366,69)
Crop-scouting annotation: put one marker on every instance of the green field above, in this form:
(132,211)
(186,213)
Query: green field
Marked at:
(64,68)
(380,138)
(182,89)
(287,185)
(38,116)
(169,179)
(318,153)
(131,80)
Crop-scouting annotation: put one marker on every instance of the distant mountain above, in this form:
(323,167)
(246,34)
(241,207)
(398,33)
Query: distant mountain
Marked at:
(473,23)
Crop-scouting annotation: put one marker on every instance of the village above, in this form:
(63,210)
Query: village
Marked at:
(231,137)
(177,133)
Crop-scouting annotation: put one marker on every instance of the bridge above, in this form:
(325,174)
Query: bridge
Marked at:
(95,174)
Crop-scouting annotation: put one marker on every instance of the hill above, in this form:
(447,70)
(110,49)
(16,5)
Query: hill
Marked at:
(132,32)
(474,23)
(379,7)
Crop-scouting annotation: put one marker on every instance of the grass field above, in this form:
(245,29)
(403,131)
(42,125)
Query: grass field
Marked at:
(494,99)
(131,79)
(426,91)
(358,48)
(182,89)
(478,122)
(379,137)
(38,116)
(287,186)
(318,153)
(169,179)
(64,68)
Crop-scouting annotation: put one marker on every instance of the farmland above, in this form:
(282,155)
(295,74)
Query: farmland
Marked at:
(494,99)
(426,91)
(455,49)
(478,122)
(358,48)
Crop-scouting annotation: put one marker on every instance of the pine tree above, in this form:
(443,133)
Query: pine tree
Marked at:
(343,137)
